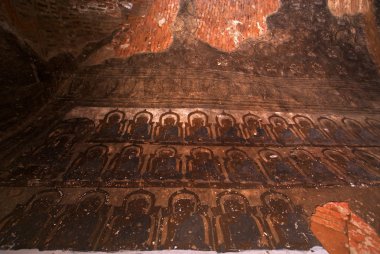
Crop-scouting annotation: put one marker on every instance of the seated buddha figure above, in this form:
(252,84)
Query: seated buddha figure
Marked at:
(169,129)
(283,131)
(198,129)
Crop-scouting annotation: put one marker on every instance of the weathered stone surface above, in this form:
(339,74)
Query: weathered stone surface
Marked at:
(55,27)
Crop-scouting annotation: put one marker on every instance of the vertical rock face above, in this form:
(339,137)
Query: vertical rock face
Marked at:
(21,77)
(54,27)
(349,232)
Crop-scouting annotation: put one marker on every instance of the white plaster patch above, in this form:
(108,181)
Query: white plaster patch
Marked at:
(261,30)
(161,22)
(94,6)
(127,5)
(234,31)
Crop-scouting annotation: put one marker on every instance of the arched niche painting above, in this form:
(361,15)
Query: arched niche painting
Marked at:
(198,128)
(81,128)
(227,129)
(202,165)
(310,131)
(284,132)
(334,131)
(46,162)
(241,168)
(374,126)
(288,226)
(185,223)
(164,165)
(79,226)
(111,127)
(237,224)
(350,167)
(133,226)
(141,127)
(255,131)
(370,160)
(88,165)
(29,224)
(313,167)
(126,165)
(279,169)
(362,134)
(169,128)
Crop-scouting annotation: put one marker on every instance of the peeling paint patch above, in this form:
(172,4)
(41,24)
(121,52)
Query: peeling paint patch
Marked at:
(161,22)
(342,231)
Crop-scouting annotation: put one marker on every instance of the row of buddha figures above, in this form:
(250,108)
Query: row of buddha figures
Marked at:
(92,223)
(168,165)
(226,128)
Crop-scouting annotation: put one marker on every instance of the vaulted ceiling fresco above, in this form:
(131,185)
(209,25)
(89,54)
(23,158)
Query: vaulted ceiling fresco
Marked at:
(190,124)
